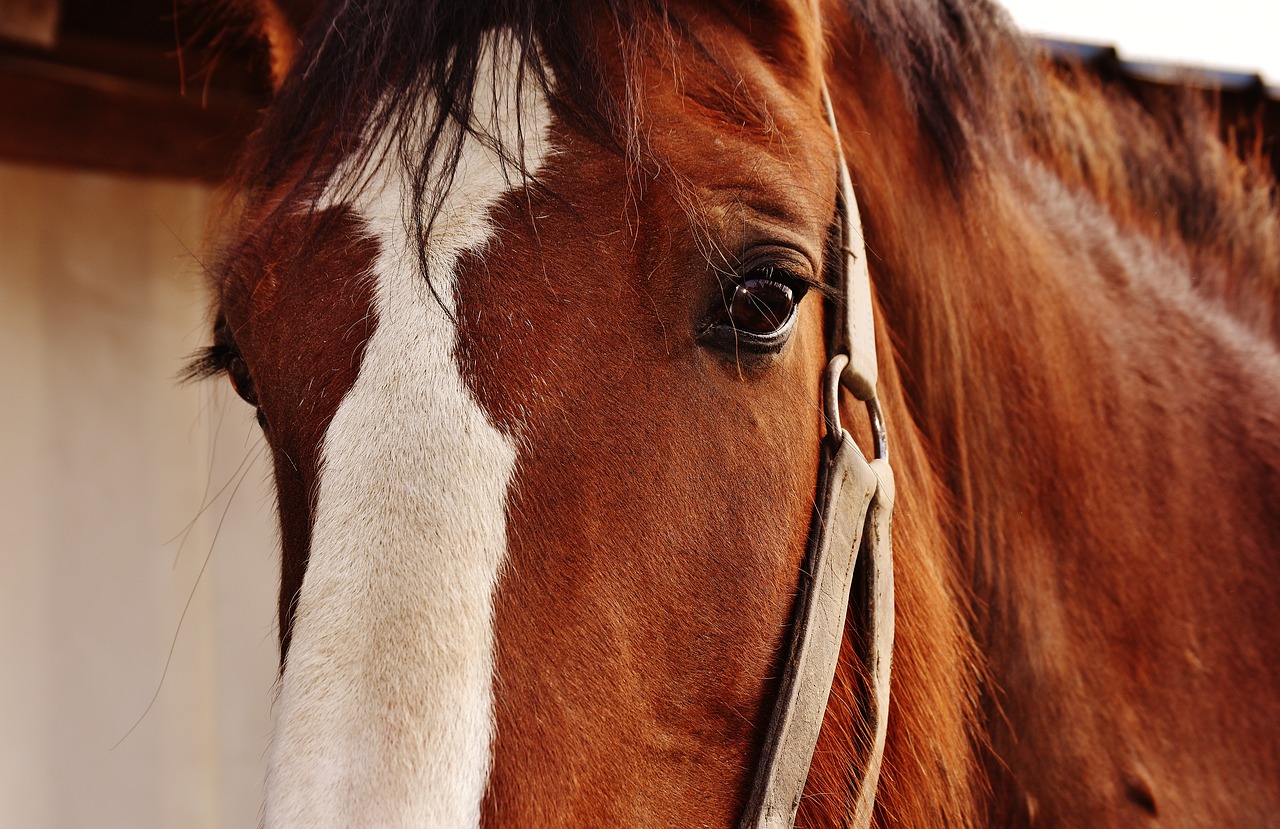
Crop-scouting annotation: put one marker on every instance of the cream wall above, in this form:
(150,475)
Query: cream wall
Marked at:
(105,462)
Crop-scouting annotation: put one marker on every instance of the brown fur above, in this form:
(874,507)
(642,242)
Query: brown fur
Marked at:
(282,284)
(645,614)
(1076,301)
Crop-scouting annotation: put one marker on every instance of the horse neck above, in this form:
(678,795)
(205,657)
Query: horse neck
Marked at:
(1059,381)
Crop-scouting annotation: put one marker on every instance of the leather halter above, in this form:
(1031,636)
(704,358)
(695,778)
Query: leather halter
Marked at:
(849,563)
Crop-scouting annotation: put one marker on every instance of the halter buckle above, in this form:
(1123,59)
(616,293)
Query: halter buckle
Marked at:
(833,378)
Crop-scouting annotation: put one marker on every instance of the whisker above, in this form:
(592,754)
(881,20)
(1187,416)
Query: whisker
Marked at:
(173,644)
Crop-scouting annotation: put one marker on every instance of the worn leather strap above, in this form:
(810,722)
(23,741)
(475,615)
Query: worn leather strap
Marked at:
(847,493)
(873,594)
(857,337)
(850,538)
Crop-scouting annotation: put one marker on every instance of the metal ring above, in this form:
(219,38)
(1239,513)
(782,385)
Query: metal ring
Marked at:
(831,397)
(832,380)
(879,434)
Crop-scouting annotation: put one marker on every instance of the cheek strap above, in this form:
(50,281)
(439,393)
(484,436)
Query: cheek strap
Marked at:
(848,567)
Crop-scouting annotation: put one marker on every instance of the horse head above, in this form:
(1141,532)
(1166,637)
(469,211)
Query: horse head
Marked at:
(530,304)
(544,310)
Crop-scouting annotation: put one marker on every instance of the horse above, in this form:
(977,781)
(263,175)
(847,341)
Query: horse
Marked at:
(535,304)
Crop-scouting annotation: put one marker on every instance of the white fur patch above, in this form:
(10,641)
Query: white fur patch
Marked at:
(385,711)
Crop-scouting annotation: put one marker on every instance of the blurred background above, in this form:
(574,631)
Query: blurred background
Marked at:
(137,540)
(1236,36)
(135,512)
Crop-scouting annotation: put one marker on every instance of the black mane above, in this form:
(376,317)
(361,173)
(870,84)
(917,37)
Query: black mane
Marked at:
(950,58)
(366,67)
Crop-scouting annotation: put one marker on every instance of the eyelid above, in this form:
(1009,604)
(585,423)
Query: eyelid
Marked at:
(214,359)
(790,262)
(210,361)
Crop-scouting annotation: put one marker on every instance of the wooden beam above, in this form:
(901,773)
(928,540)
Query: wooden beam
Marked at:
(34,22)
(63,111)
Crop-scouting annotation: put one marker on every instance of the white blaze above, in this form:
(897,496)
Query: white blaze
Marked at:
(384,717)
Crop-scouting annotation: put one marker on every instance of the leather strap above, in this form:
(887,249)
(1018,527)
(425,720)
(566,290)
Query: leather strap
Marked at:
(874,595)
(849,539)
(857,337)
(847,491)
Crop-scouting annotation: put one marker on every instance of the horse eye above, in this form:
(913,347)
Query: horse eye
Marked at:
(760,306)
(756,312)
(238,371)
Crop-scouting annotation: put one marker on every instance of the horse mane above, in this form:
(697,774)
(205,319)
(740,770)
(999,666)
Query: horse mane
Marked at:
(1159,166)
(1005,373)
(1156,161)
(978,88)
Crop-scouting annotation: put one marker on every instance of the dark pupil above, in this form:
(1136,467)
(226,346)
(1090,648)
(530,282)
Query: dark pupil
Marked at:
(760,306)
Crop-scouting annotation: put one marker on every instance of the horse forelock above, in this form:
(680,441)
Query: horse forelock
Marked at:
(394,82)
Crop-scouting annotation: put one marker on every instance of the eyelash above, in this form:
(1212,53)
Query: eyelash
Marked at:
(223,358)
(210,361)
